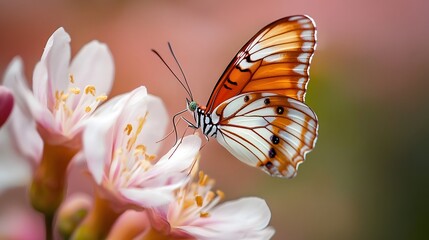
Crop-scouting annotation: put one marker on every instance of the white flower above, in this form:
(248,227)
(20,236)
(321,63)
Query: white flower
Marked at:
(119,146)
(194,214)
(64,94)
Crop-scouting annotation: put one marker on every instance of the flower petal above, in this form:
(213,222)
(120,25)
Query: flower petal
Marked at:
(241,218)
(93,65)
(98,140)
(51,73)
(21,124)
(104,125)
(14,79)
(174,167)
(24,135)
(156,124)
(252,212)
(142,105)
(182,155)
(151,197)
(130,225)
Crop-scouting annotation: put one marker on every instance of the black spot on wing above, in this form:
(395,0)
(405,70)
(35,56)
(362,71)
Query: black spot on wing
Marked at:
(226,86)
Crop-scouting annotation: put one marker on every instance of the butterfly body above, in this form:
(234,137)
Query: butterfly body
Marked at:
(257,110)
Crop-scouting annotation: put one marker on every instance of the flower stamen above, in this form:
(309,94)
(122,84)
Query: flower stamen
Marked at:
(101,98)
(220,193)
(210,196)
(150,157)
(128,129)
(204,214)
(203,178)
(199,200)
(75,90)
(90,89)
(71,78)
(133,138)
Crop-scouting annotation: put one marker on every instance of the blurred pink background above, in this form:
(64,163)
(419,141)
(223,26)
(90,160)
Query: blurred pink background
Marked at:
(367,177)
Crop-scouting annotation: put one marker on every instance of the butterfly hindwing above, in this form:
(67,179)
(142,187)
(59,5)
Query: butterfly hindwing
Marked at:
(267,130)
(277,59)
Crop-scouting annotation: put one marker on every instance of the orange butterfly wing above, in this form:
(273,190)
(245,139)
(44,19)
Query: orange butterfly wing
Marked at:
(277,60)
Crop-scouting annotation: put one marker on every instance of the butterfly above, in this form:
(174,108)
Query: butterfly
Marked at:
(257,110)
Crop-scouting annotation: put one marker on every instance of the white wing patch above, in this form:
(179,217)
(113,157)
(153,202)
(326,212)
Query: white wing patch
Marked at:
(269,131)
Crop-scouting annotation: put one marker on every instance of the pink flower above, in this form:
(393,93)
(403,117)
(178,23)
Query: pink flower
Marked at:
(64,94)
(6,104)
(194,214)
(119,146)
(47,122)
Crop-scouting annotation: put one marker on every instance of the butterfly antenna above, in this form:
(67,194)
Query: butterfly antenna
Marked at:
(181,70)
(181,83)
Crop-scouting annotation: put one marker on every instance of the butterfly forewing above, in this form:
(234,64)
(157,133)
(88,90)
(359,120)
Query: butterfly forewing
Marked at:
(266,130)
(276,60)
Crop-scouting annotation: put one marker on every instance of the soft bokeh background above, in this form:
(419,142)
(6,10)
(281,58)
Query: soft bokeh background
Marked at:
(368,176)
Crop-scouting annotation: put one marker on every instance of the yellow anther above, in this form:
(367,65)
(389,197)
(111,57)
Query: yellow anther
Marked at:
(88,109)
(75,90)
(133,138)
(58,99)
(187,203)
(150,157)
(90,89)
(64,97)
(101,98)
(210,195)
(203,178)
(141,148)
(204,214)
(128,129)
(58,95)
(199,200)
(71,77)
(220,194)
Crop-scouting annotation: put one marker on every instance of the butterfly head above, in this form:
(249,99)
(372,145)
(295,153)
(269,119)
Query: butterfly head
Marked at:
(192,105)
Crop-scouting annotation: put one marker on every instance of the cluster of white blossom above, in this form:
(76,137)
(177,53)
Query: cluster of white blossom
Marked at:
(66,117)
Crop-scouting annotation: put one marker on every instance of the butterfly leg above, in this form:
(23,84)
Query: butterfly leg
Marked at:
(190,124)
(177,143)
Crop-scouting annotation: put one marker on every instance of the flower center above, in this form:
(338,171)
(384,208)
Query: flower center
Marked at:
(196,199)
(74,105)
(130,160)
